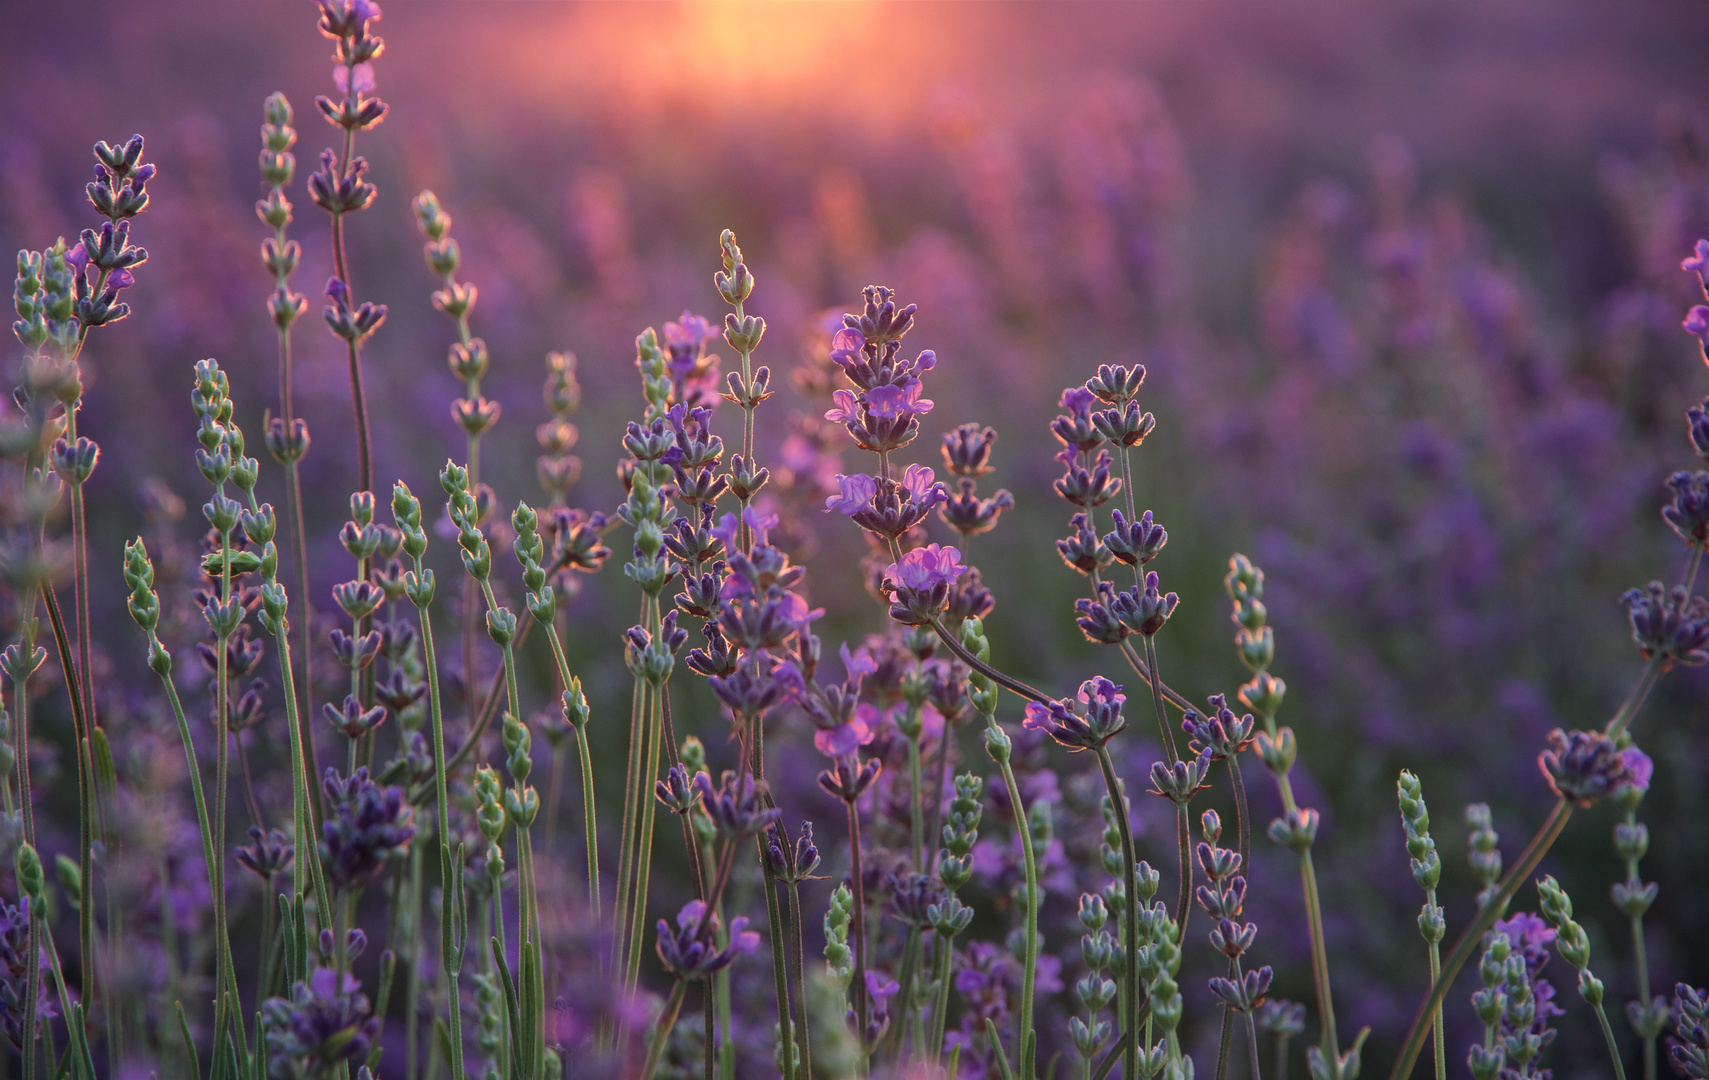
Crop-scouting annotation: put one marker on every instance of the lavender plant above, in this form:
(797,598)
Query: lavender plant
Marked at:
(948,933)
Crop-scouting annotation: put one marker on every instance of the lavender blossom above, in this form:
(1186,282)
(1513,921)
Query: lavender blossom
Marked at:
(1584,766)
(687,951)
(323,1023)
(368,826)
(1087,726)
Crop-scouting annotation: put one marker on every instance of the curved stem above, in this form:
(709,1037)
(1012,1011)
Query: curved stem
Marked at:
(1613,1047)
(662,1033)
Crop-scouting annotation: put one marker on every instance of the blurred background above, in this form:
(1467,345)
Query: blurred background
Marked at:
(1405,279)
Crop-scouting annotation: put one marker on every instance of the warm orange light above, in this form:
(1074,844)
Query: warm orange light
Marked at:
(851,59)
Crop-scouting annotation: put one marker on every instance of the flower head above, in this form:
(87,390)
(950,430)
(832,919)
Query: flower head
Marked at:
(1095,721)
(1671,624)
(688,951)
(1584,766)
(368,826)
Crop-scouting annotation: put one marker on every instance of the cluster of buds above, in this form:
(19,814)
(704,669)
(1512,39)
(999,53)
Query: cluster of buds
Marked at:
(1421,849)
(967,456)
(1670,624)
(882,413)
(1691,1053)
(1224,899)
(346,22)
(1087,722)
(1481,850)
(368,827)
(1570,939)
(557,468)
(117,193)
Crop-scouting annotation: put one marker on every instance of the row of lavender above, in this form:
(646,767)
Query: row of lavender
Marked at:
(893,977)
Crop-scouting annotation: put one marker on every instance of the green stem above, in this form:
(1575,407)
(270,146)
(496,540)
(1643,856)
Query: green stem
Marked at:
(450,955)
(1613,1048)
(1130,913)
(1029,960)
(588,821)
(662,1033)
(800,922)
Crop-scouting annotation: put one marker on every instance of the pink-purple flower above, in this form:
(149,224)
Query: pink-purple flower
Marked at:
(855,492)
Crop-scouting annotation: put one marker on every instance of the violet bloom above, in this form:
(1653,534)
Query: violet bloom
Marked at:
(364,78)
(688,952)
(1698,263)
(846,345)
(1097,720)
(368,826)
(894,401)
(1584,766)
(1697,322)
(919,585)
(923,568)
(737,806)
(845,738)
(855,493)
(319,1026)
(1639,768)
(1669,623)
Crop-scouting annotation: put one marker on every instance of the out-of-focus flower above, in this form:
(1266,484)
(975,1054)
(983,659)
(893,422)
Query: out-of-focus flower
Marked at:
(688,951)
(1584,766)
(369,825)
(1670,624)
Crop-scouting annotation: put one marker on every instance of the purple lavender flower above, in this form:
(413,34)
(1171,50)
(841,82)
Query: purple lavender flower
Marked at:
(1688,514)
(1671,624)
(855,493)
(1698,263)
(1697,322)
(14,960)
(1074,428)
(266,853)
(1584,766)
(369,826)
(919,585)
(688,953)
(1220,731)
(319,1026)
(737,805)
(895,401)
(1096,721)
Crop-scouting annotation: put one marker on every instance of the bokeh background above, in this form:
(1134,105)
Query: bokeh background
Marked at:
(1405,278)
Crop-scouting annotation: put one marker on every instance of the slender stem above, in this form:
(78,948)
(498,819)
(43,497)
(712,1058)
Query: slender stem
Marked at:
(1252,1046)
(1635,700)
(1130,905)
(1242,816)
(859,922)
(1143,670)
(450,958)
(1436,1020)
(1156,685)
(1473,935)
(799,943)
(1613,1048)
(916,812)
(588,820)
(1029,961)
(662,1033)
(85,792)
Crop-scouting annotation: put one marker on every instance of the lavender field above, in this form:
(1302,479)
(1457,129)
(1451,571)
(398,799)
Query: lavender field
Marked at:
(854,540)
